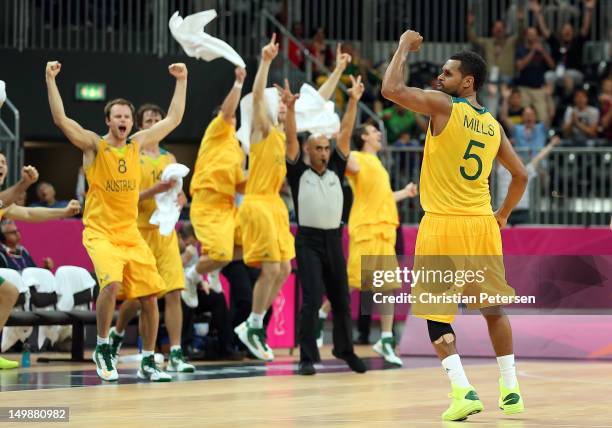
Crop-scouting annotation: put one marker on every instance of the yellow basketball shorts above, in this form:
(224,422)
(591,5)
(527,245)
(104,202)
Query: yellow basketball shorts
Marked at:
(167,256)
(266,237)
(215,221)
(371,248)
(126,261)
(460,260)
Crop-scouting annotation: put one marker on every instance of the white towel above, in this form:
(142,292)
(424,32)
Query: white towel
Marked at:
(10,335)
(44,282)
(2,92)
(189,33)
(312,113)
(168,210)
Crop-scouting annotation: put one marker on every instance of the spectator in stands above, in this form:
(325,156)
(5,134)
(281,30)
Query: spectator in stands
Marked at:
(399,121)
(46,196)
(498,49)
(532,62)
(529,134)
(319,49)
(81,186)
(360,66)
(513,108)
(605,104)
(520,214)
(207,300)
(566,48)
(581,120)
(296,56)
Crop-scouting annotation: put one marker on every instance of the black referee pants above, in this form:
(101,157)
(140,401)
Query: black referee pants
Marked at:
(322,268)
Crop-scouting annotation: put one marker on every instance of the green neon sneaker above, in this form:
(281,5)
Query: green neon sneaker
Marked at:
(465,403)
(510,400)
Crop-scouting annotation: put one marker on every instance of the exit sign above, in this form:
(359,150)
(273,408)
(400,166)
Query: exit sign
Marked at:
(91,91)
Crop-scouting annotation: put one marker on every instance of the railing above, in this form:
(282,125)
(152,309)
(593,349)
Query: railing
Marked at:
(572,187)
(296,76)
(10,141)
(374,26)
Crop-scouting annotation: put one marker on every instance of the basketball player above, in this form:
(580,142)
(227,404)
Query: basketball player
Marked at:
(462,142)
(153,161)
(266,239)
(121,257)
(373,222)
(217,176)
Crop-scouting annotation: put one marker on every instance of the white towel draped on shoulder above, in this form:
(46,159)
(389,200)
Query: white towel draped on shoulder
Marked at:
(168,210)
(2,92)
(189,33)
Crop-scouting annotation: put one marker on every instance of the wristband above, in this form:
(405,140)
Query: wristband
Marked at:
(237,84)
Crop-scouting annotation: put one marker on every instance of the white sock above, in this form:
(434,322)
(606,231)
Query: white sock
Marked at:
(507,370)
(193,274)
(255,320)
(214,281)
(146,353)
(454,370)
(119,333)
(175,348)
(101,340)
(386,334)
(322,314)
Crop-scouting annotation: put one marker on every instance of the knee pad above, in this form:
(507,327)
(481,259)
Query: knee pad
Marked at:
(440,331)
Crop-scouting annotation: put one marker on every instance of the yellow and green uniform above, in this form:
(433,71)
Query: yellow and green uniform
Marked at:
(2,210)
(164,248)
(458,219)
(218,170)
(373,219)
(111,236)
(263,215)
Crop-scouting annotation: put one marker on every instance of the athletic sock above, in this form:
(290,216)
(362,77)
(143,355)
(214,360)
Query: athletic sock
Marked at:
(386,334)
(454,370)
(175,348)
(119,333)
(255,320)
(507,370)
(322,314)
(102,340)
(146,354)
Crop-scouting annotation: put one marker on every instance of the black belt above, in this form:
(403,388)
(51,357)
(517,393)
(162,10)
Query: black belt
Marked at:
(313,231)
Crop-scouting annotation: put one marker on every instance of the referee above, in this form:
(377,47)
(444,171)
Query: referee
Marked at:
(318,199)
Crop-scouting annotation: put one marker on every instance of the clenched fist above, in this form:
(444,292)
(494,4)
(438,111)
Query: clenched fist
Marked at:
(411,40)
(178,70)
(73,208)
(29,175)
(53,69)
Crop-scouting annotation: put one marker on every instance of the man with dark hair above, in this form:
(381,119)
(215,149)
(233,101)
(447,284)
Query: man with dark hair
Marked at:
(122,259)
(148,115)
(46,196)
(462,142)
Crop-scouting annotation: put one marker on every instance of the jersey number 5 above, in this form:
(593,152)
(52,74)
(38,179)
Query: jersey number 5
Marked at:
(467,155)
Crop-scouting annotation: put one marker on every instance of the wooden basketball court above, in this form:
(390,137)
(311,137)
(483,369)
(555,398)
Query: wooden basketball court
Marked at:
(556,393)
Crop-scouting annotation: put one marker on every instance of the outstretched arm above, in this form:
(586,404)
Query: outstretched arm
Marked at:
(394,89)
(589,6)
(230,103)
(40,214)
(82,138)
(509,159)
(503,113)
(535,7)
(261,121)
(293,145)
(161,129)
(29,176)
(348,120)
(410,191)
(329,86)
(543,154)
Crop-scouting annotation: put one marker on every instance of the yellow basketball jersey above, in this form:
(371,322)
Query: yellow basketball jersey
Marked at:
(219,163)
(111,205)
(373,201)
(457,163)
(267,168)
(151,170)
